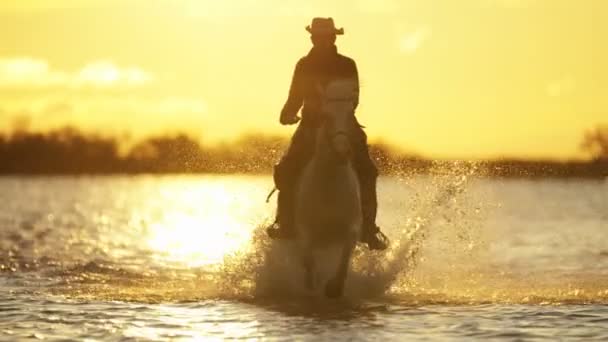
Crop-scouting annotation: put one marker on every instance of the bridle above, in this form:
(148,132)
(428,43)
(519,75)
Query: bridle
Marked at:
(331,136)
(341,97)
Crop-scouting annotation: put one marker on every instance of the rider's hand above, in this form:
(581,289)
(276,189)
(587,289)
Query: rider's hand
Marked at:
(290,120)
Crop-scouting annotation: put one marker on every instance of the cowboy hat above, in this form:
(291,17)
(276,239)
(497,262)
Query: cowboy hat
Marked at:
(323,26)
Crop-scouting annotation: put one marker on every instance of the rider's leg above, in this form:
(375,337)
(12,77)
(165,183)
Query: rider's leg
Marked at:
(283,219)
(369,202)
(368,174)
(285,176)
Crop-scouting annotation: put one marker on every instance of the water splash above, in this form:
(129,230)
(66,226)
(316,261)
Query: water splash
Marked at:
(272,269)
(438,256)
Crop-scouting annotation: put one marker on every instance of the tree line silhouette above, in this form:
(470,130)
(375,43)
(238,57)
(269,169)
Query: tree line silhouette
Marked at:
(69,151)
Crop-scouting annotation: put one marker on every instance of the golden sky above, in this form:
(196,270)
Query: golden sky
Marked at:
(444,78)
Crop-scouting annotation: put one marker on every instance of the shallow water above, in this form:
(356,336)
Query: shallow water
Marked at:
(184,257)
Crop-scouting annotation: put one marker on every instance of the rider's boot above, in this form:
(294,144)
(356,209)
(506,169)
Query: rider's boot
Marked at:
(283,226)
(371,234)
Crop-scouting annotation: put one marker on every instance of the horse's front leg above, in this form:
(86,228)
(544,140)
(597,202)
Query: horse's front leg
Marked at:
(309,265)
(308,262)
(335,286)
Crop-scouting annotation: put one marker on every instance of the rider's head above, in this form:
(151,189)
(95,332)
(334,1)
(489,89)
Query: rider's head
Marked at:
(323,32)
(323,40)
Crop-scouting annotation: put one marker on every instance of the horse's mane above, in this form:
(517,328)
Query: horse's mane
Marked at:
(341,88)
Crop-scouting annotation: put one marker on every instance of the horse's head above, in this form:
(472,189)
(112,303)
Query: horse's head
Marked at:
(338,100)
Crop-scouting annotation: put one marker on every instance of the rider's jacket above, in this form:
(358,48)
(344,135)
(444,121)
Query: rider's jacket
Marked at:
(318,67)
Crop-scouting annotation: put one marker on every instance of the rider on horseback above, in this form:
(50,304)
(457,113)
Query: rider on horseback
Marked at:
(322,64)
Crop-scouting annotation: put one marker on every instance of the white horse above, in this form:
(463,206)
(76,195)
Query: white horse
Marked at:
(328,200)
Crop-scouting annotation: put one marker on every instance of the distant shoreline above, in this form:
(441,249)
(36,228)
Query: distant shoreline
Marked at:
(509,169)
(70,152)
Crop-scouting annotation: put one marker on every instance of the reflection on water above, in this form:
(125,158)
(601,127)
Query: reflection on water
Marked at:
(202,223)
(186,257)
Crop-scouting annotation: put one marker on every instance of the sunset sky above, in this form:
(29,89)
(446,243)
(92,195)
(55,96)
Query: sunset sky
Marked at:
(443,78)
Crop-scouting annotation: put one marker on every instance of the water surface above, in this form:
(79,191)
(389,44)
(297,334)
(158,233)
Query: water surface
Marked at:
(184,257)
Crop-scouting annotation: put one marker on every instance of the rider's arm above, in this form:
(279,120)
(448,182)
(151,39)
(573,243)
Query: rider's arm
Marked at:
(296,96)
(356,76)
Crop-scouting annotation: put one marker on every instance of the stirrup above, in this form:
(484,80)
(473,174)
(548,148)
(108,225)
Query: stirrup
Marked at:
(275,231)
(376,241)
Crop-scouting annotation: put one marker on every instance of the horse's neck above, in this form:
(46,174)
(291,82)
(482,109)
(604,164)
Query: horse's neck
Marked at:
(324,166)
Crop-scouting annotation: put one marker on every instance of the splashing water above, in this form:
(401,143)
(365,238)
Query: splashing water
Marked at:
(271,269)
(443,214)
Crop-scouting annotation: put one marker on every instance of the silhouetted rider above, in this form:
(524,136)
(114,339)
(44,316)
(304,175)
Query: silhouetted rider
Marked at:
(322,65)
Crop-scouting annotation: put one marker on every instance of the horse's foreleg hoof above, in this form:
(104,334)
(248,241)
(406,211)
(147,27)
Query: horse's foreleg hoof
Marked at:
(334,288)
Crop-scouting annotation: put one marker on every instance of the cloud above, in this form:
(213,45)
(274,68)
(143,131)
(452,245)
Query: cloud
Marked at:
(18,72)
(109,112)
(26,72)
(104,73)
(53,97)
(412,41)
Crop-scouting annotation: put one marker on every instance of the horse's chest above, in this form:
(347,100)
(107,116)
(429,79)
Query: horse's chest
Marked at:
(330,196)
